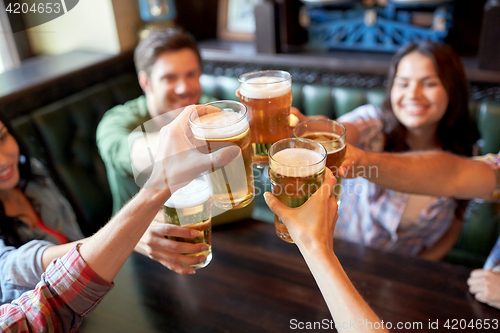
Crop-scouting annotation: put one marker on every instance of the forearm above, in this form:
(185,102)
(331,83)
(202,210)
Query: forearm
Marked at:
(57,251)
(344,302)
(107,250)
(429,173)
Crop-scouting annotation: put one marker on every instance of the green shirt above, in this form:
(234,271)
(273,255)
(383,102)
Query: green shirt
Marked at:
(113,142)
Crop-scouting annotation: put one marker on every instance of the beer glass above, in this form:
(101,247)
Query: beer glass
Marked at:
(268,97)
(232,184)
(296,171)
(191,207)
(331,135)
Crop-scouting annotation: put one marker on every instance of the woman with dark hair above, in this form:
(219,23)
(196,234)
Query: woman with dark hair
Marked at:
(33,217)
(426,108)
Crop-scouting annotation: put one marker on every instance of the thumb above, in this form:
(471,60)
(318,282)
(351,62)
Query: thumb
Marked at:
(276,206)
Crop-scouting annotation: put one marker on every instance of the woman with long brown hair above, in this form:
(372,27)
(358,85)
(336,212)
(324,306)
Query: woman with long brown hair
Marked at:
(425,108)
(34,216)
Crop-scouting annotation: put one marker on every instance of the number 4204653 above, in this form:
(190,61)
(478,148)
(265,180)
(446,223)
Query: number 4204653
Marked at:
(479,324)
(48,8)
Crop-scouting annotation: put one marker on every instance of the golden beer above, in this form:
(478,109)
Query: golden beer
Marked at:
(268,97)
(191,207)
(331,135)
(232,184)
(296,171)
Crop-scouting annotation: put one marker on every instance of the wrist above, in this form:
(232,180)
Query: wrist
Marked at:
(318,254)
(315,249)
(156,197)
(368,161)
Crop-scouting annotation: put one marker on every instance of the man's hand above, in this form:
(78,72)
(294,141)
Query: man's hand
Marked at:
(355,163)
(485,286)
(297,117)
(313,223)
(169,253)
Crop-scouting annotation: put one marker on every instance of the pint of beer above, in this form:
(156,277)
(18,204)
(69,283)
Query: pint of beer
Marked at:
(268,97)
(331,135)
(232,184)
(296,171)
(191,207)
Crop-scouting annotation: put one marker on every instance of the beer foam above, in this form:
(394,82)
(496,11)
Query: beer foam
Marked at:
(219,125)
(191,195)
(265,87)
(297,162)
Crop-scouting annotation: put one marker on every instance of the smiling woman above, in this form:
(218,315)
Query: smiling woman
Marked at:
(426,108)
(418,98)
(9,156)
(34,216)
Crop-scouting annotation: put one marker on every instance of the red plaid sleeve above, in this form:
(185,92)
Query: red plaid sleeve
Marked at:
(68,290)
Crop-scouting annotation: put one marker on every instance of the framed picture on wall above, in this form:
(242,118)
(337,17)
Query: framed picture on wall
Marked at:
(236,19)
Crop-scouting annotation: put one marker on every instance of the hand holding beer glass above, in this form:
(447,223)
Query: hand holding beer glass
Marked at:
(332,135)
(224,124)
(268,97)
(191,207)
(296,171)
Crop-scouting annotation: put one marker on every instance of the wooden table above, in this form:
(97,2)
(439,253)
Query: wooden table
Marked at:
(258,283)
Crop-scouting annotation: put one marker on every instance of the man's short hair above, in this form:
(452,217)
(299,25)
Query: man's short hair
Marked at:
(160,41)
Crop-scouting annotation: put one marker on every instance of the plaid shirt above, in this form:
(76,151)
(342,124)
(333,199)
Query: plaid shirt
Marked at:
(68,290)
(493,160)
(370,214)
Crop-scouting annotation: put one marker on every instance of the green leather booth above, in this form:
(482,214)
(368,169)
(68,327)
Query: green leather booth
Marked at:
(62,136)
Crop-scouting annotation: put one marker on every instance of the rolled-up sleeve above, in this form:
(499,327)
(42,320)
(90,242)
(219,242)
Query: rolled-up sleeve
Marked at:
(68,290)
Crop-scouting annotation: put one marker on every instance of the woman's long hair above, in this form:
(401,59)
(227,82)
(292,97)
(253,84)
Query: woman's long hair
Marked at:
(456,132)
(7,223)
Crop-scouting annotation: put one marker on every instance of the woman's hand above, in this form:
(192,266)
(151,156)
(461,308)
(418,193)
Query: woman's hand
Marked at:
(355,162)
(313,223)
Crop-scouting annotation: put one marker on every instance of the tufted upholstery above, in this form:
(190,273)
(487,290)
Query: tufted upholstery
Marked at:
(482,222)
